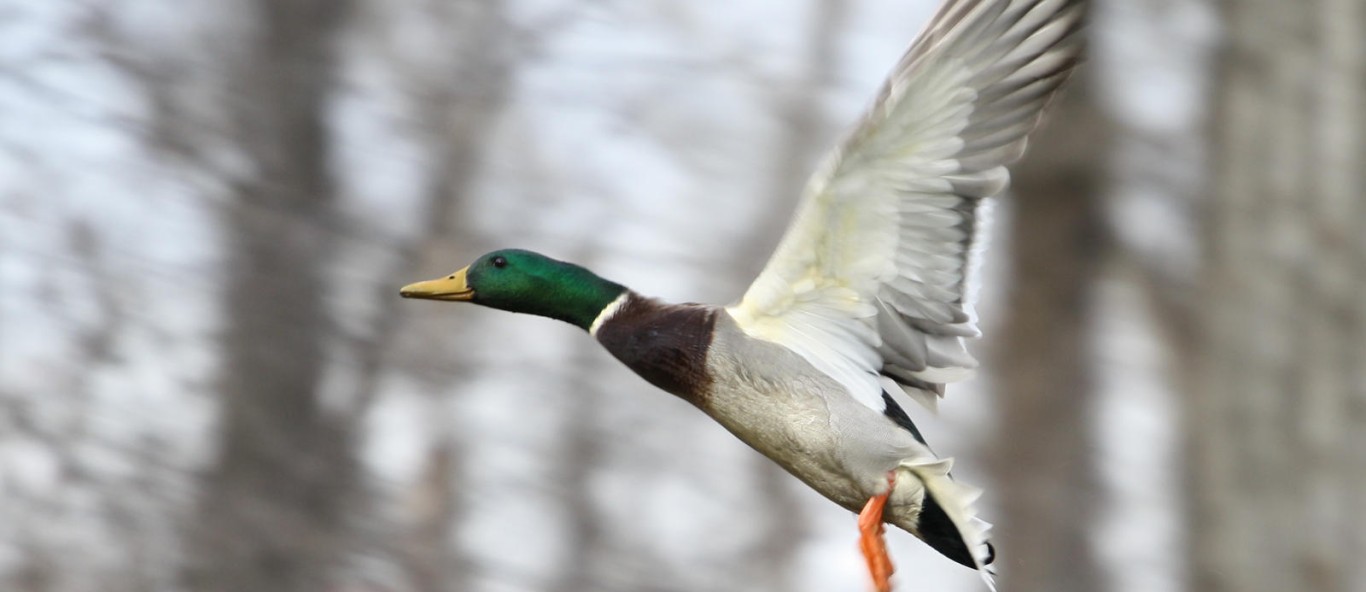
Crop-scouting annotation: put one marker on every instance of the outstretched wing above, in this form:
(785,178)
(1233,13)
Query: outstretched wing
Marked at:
(873,280)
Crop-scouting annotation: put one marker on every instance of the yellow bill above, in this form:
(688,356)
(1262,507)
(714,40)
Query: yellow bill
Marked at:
(450,288)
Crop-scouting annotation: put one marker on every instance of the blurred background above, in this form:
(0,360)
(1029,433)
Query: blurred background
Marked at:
(208,382)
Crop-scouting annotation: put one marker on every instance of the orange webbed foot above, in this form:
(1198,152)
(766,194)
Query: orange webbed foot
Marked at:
(871,540)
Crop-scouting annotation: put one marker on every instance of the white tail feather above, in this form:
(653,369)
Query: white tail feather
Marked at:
(957,501)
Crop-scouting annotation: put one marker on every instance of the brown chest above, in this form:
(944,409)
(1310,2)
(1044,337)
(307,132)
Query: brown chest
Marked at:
(665,344)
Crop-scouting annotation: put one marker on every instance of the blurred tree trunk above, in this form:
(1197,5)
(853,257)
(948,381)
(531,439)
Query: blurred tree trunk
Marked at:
(1043,465)
(273,507)
(1277,412)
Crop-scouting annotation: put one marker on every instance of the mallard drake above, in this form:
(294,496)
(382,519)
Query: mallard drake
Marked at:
(868,294)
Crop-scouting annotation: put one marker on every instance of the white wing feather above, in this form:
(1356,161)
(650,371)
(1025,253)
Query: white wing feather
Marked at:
(873,277)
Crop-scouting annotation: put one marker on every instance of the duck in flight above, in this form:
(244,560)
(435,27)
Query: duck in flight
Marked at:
(868,295)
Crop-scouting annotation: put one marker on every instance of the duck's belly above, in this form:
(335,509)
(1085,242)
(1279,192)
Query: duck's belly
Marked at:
(776,403)
(788,424)
(793,427)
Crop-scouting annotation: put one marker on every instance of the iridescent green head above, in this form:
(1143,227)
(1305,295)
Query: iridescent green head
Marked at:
(522,281)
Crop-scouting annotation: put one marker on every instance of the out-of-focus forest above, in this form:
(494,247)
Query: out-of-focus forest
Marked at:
(208,382)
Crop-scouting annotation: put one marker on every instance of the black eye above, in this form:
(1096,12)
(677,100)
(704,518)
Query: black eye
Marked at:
(499,262)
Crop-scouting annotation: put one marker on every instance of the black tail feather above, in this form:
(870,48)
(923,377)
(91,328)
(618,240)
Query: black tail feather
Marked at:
(936,529)
(939,532)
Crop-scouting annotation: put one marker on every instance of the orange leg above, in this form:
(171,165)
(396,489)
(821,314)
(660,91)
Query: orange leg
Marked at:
(871,542)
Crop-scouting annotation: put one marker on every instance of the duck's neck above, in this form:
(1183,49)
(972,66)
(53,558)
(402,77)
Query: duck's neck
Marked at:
(575,295)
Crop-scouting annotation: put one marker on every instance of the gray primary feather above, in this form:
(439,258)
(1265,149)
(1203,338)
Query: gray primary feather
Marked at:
(1011,56)
(891,227)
